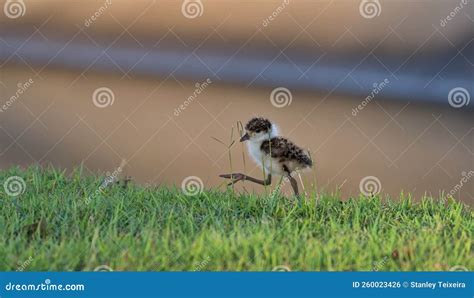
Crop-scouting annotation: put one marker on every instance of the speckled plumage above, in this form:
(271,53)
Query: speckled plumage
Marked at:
(258,125)
(285,151)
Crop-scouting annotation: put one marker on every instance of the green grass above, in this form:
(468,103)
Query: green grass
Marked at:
(50,227)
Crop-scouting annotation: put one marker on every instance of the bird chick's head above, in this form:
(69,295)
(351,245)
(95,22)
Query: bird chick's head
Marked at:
(258,130)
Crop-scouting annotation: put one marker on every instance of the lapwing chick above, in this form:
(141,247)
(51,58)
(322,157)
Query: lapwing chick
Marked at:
(275,154)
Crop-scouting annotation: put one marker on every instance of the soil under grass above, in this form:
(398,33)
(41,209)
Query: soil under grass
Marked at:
(68,222)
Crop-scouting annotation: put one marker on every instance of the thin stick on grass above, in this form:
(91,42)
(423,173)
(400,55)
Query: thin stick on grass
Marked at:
(241,130)
(231,141)
(271,163)
(229,152)
(315,186)
(280,185)
(263,165)
(302,185)
(339,187)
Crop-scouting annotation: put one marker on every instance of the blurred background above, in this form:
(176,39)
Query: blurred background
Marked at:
(376,90)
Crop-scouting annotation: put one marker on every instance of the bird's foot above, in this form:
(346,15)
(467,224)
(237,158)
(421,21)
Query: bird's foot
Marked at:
(235,177)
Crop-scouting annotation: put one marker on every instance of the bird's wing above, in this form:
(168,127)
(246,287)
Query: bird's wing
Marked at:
(278,147)
(284,149)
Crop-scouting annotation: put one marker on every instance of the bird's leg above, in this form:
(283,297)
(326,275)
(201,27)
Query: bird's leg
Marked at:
(294,184)
(236,177)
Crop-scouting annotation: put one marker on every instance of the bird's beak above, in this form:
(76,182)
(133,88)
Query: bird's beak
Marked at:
(245,137)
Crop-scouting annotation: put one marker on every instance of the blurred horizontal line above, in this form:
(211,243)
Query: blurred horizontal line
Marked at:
(410,80)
